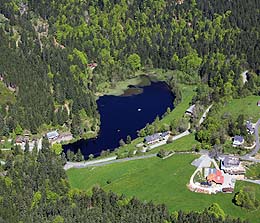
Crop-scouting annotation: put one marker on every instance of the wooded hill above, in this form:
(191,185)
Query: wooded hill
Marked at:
(46,47)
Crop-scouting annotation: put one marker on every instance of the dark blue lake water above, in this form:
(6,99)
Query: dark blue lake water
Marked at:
(124,115)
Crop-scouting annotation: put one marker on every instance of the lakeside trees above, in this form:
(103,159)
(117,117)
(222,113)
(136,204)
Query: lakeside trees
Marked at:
(51,45)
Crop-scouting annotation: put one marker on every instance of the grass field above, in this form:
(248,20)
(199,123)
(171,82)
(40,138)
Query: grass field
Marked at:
(162,181)
(183,144)
(246,106)
(5,94)
(188,91)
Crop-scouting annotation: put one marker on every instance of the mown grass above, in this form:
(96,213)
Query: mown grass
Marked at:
(162,181)
(247,106)
(187,143)
(188,91)
(6,95)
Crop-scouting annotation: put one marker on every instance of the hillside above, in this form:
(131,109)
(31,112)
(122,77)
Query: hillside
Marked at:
(59,53)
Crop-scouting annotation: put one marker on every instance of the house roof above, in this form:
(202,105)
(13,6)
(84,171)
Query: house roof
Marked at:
(231,161)
(165,134)
(190,109)
(53,134)
(249,126)
(216,177)
(238,138)
(152,137)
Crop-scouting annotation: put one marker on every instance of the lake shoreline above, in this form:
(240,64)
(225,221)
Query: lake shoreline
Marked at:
(129,118)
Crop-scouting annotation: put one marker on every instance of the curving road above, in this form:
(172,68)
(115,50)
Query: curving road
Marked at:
(109,160)
(257,145)
(105,161)
(203,117)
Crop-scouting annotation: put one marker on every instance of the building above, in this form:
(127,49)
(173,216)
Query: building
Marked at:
(92,66)
(227,190)
(232,165)
(208,171)
(238,140)
(164,134)
(249,127)
(52,135)
(217,177)
(190,110)
(152,138)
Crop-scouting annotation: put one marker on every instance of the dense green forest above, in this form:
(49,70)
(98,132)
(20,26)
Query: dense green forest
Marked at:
(34,188)
(46,52)
(46,47)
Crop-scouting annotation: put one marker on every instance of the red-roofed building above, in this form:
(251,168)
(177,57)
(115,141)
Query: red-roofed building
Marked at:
(217,177)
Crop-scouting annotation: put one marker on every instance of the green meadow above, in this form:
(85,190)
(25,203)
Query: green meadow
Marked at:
(247,106)
(188,91)
(162,181)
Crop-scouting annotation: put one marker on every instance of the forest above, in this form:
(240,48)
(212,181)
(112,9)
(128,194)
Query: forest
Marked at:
(47,53)
(47,48)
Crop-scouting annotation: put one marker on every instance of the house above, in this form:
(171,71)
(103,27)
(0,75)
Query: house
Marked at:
(232,165)
(208,171)
(238,140)
(258,103)
(52,135)
(217,177)
(152,138)
(92,66)
(190,110)
(164,134)
(249,127)
(230,161)
(227,190)
(19,140)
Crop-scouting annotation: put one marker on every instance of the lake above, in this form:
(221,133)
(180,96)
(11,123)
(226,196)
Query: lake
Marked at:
(124,115)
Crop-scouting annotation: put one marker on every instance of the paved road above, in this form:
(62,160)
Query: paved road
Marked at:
(105,162)
(203,117)
(110,160)
(257,146)
(252,181)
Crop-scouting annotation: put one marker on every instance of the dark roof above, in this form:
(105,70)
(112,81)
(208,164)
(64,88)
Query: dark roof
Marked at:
(249,126)
(227,189)
(239,138)
(165,134)
(152,137)
(231,161)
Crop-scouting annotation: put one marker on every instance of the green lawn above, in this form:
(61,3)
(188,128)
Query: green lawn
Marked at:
(5,94)
(162,181)
(245,106)
(183,144)
(188,91)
